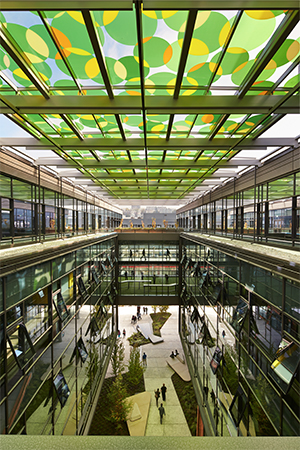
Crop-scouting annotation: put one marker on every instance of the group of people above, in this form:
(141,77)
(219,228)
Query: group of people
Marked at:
(157,393)
(174,354)
(134,318)
(124,333)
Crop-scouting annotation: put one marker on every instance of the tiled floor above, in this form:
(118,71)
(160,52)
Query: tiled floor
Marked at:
(158,372)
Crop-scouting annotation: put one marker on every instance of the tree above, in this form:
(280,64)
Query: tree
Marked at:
(119,409)
(93,364)
(117,358)
(135,367)
(154,308)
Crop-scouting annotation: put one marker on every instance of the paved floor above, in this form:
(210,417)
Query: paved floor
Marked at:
(158,372)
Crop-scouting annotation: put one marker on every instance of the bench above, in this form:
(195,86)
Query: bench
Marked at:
(180,368)
(138,417)
(180,359)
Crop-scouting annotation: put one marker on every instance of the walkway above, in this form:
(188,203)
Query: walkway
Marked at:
(158,372)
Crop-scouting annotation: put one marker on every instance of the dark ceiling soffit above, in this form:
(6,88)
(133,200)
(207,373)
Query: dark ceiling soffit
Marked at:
(76,5)
(222,104)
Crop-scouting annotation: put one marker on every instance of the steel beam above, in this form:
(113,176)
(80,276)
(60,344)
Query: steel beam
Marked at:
(95,41)
(185,50)
(156,144)
(218,4)
(67,5)
(153,164)
(221,104)
(224,48)
(12,48)
(143,176)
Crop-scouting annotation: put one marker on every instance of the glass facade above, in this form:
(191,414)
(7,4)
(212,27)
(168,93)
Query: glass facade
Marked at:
(31,214)
(240,324)
(267,213)
(148,268)
(58,320)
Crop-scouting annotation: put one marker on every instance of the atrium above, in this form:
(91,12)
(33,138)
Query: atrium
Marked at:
(192,105)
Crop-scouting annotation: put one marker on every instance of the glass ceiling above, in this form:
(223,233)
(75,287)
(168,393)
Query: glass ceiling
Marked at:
(193,82)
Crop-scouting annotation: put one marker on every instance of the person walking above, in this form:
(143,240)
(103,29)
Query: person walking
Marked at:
(126,275)
(223,334)
(166,277)
(163,391)
(162,412)
(144,359)
(124,333)
(154,278)
(157,395)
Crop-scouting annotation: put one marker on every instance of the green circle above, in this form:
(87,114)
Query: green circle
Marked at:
(154,51)
(123,27)
(176,21)
(209,31)
(76,33)
(110,64)
(231,61)
(238,77)
(42,32)
(162,78)
(88,122)
(133,121)
(132,68)
(201,75)
(251,33)
(293,81)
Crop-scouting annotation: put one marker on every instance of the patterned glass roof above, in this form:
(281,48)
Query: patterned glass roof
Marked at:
(148,103)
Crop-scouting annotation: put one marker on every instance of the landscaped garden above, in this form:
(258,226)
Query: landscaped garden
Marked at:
(186,395)
(158,320)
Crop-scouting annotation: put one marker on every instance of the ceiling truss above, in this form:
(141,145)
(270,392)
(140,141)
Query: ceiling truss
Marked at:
(158,156)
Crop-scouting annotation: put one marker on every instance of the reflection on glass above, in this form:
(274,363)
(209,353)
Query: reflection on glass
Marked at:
(238,406)
(80,351)
(215,295)
(60,307)
(239,315)
(61,388)
(95,275)
(81,286)
(195,315)
(21,345)
(285,364)
(205,336)
(216,359)
(93,327)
